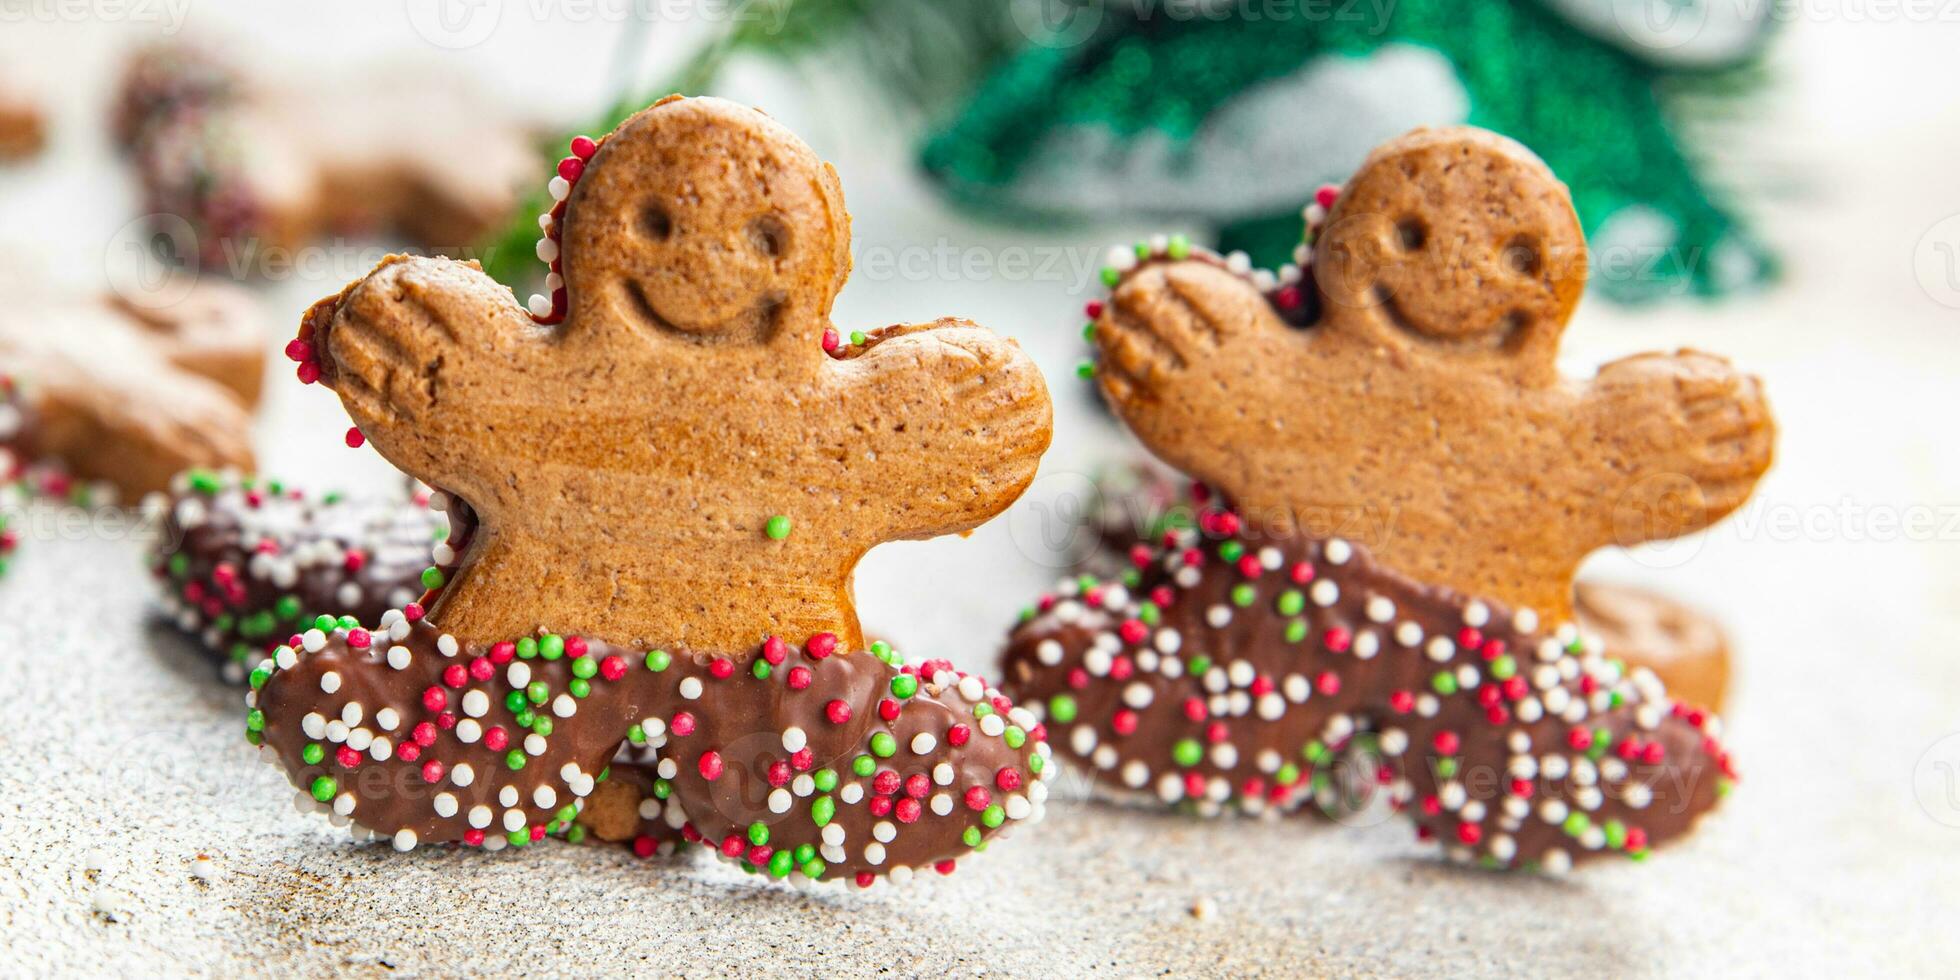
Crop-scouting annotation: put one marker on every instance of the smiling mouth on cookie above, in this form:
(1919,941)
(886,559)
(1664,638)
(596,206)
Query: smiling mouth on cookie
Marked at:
(758,325)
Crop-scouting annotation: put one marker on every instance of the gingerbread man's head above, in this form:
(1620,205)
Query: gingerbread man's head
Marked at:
(672,455)
(1422,413)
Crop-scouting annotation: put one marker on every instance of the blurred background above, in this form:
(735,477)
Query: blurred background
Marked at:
(1771,181)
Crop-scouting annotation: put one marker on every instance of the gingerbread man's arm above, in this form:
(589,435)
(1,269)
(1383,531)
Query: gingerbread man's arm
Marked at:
(414,334)
(953,417)
(1681,440)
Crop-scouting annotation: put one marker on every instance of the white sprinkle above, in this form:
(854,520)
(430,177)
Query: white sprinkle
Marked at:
(329,682)
(1476,614)
(1049,652)
(314,725)
(1337,551)
(923,743)
(513,819)
(545,797)
(1324,592)
(942,804)
(690,688)
(884,831)
(564,706)
(794,739)
(780,800)
(445,804)
(1138,695)
(507,796)
(534,744)
(480,816)
(399,657)
(476,704)
(518,673)
(446,645)
(874,854)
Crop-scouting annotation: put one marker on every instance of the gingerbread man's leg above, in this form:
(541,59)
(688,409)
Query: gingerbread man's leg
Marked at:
(857,767)
(1237,671)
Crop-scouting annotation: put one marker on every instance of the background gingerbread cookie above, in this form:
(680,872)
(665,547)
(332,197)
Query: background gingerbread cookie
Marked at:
(133,394)
(1252,649)
(23,124)
(672,483)
(255,164)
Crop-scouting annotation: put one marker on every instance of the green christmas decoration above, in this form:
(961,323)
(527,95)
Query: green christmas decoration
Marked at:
(1231,114)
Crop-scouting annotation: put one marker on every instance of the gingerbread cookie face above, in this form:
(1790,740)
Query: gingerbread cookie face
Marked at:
(1426,394)
(719,261)
(673,474)
(132,396)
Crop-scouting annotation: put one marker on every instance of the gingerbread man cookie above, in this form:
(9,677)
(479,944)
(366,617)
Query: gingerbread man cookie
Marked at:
(672,480)
(1243,656)
(131,395)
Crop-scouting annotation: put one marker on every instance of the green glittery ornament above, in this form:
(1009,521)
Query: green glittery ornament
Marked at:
(1233,121)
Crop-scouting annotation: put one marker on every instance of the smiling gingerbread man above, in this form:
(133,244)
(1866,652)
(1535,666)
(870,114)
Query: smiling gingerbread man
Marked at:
(1241,658)
(671,480)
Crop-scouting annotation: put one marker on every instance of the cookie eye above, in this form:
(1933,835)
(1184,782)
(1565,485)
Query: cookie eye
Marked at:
(1411,233)
(1521,254)
(655,222)
(768,235)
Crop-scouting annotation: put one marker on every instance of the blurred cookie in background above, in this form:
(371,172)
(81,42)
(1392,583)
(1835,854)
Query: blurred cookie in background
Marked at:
(23,124)
(1682,645)
(101,389)
(251,163)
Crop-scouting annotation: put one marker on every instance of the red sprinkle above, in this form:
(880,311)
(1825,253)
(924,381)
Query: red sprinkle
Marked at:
(837,711)
(977,798)
(682,724)
(432,771)
(710,765)
(799,678)
(821,645)
(496,739)
(722,668)
(583,147)
(958,735)
(354,438)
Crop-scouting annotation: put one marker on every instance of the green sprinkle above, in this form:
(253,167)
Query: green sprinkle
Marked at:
(585,667)
(1243,594)
(580,687)
(1179,247)
(515,701)
(527,647)
(824,779)
(180,565)
(1085,370)
(287,608)
(1231,550)
(348,623)
(259,677)
(1446,768)
(970,837)
(636,735)
(904,686)
(1316,753)
(1143,250)
(1198,665)
(551,646)
(1035,765)
(1014,736)
(1288,774)
(1187,752)
(542,725)
(1110,276)
(313,753)
(662,789)
(993,815)
(524,716)
(432,577)
(883,745)
(777,528)
(1296,630)
(255,721)
(538,692)
(519,838)
(658,660)
(515,759)
(1444,682)
(858,337)
(758,833)
(863,765)
(1616,834)
(325,623)
(1577,823)
(814,868)
(1291,602)
(760,668)
(203,481)
(251,737)
(1061,708)
(324,788)
(1089,331)
(1504,667)
(805,853)
(1149,613)
(822,809)
(576,834)
(781,864)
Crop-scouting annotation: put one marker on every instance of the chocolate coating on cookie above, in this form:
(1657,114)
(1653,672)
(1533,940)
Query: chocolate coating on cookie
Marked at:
(246,563)
(407,732)
(1238,667)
